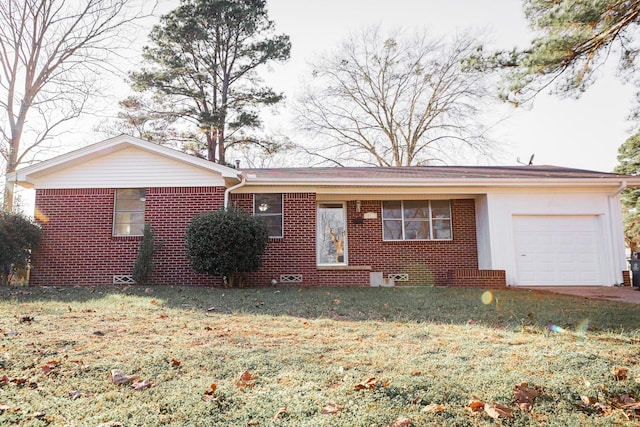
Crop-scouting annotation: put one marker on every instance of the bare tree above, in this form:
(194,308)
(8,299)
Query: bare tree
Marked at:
(51,52)
(394,101)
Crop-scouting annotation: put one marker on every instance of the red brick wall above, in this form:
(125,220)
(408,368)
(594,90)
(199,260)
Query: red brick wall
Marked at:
(425,262)
(478,278)
(78,246)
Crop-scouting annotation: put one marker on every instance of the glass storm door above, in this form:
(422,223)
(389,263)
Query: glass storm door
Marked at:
(331,234)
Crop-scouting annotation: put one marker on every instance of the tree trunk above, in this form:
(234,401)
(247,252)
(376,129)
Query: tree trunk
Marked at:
(211,146)
(221,148)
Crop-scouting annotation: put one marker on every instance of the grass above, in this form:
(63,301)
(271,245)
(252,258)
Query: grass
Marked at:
(430,351)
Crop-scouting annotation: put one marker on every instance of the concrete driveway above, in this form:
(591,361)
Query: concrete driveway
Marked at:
(612,293)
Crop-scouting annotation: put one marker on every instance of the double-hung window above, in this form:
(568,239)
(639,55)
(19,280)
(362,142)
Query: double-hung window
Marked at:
(416,220)
(128,216)
(269,208)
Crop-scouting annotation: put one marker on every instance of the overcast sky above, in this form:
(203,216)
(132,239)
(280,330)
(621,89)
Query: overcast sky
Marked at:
(584,133)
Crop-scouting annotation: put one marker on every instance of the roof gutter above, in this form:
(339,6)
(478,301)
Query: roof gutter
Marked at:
(228,191)
(623,185)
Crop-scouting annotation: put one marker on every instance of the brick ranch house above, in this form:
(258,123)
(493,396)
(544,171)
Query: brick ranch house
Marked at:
(450,225)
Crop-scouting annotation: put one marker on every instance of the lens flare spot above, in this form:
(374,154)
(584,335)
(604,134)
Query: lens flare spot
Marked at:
(487,297)
(583,327)
(556,329)
(40,216)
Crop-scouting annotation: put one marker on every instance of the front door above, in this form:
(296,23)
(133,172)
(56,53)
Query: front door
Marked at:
(331,234)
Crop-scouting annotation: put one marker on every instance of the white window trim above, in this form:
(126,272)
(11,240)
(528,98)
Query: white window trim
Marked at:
(281,214)
(402,221)
(115,213)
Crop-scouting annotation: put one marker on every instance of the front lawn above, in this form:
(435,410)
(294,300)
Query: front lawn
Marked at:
(315,357)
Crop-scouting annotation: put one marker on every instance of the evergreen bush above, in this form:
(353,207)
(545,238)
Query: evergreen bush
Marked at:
(144,266)
(226,243)
(18,238)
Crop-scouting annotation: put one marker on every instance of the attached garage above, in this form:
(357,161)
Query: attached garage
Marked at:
(559,250)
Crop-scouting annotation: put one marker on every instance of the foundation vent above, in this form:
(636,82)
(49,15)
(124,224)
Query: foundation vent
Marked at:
(291,278)
(123,280)
(398,277)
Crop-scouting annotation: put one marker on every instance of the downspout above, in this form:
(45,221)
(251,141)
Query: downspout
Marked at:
(614,232)
(228,191)
(623,185)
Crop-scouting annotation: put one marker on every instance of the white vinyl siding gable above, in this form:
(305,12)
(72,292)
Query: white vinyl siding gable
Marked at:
(129,168)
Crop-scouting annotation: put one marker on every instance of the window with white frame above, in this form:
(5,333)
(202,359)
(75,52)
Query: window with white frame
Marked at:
(416,220)
(128,216)
(269,208)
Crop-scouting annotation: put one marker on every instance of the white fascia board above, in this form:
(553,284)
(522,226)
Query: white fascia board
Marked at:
(428,182)
(22,176)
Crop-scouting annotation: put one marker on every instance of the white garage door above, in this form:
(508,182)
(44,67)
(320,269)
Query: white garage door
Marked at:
(557,250)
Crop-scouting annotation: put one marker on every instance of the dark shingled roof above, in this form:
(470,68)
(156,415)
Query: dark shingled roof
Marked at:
(427,172)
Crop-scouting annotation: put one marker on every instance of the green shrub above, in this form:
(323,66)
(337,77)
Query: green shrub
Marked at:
(144,266)
(226,243)
(18,237)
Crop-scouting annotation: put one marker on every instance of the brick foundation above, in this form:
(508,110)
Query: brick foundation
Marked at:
(478,278)
(626,278)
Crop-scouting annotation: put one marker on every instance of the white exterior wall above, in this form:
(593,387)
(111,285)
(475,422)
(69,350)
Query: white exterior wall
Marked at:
(495,231)
(129,168)
(483,233)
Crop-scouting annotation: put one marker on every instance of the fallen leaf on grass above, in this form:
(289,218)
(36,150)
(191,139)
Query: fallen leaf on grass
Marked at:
(476,406)
(253,423)
(332,408)
(117,377)
(433,408)
(141,385)
(525,395)
(280,412)
(246,380)
(629,406)
(588,400)
(4,407)
(26,319)
(17,381)
(401,422)
(175,363)
(497,410)
(209,394)
(369,384)
(75,395)
(212,389)
(48,367)
(619,374)
(164,316)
